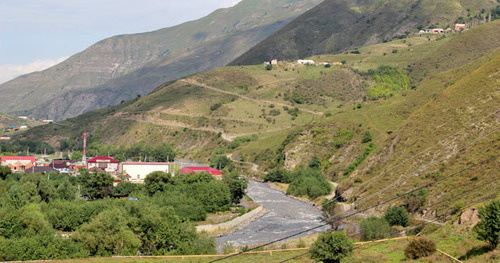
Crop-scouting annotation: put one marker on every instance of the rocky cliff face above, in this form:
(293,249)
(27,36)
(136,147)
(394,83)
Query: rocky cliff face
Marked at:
(91,79)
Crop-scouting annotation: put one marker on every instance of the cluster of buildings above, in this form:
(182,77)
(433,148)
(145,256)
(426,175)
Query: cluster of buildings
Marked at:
(458,27)
(134,172)
(306,62)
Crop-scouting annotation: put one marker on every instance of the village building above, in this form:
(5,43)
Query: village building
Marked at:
(274,62)
(40,169)
(18,164)
(137,171)
(103,164)
(47,121)
(23,117)
(306,62)
(196,170)
(60,165)
(5,137)
(460,27)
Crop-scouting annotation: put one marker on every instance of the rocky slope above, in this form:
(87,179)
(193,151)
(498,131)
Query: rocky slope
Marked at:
(82,82)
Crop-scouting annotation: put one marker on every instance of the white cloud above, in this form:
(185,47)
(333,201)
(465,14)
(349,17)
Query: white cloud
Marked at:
(10,71)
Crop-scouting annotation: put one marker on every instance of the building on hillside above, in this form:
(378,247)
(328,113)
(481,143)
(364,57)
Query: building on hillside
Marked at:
(18,164)
(306,62)
(274,62)
(47,121)
(437,31)
(23,117)
(75,167)
(5,137)
(137,171)
(460,27)
(196,170)
(103,164)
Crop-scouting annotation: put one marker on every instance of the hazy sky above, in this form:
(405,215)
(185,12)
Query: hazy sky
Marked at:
(36,34)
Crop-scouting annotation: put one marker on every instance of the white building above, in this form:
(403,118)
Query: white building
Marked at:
(306,62)
(138,171)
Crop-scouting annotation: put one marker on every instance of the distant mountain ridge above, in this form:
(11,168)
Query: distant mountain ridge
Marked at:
(340,25)
(90,79)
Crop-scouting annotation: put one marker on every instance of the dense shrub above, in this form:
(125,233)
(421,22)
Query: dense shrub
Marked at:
(331,247)
(397,216)
(420,247)
(415,200)
(278,175)
(375,228)
(309,182)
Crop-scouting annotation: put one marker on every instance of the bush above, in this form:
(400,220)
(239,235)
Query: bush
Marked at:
(278,175)
(309,182)
(332,247)
(420,247)
(397,216)
(375,228)
(488,229)
(367,137)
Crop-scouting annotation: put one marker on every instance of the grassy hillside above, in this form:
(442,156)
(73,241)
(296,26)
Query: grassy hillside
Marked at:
(97,77)
(341,25)
(7,120)
(424,121)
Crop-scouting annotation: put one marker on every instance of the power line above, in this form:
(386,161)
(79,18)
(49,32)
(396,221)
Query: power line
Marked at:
(402,178)
(355,213)
(476,201)
(413,156)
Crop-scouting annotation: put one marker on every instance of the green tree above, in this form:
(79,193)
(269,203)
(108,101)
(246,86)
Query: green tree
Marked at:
(331,247)
(397,216)
(488,229)
(96,185)
(108,234)
(164,153)
(76,156)
(236,184)
(15,197)
(375,228)
(157,181)
(4,172)
(220,162)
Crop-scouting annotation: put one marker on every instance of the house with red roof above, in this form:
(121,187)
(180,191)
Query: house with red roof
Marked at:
(136,172)
(18,163)
(195,170)
(103,163)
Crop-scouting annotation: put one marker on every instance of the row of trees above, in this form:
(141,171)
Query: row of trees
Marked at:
(35,209)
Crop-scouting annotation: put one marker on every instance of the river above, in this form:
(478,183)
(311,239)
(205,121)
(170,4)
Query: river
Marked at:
(286,216)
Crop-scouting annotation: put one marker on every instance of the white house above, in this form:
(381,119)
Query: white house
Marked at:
(306,62)
(138,171)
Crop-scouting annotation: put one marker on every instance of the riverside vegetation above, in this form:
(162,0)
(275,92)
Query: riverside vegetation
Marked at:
(46,218)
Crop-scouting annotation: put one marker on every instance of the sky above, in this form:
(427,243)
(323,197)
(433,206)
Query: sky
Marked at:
(37,34)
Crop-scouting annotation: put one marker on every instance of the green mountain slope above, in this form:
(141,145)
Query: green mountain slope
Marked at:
(81,83)
(339,25)
(422,118)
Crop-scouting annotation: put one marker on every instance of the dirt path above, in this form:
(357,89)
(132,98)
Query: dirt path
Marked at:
(255,167)
(196,83)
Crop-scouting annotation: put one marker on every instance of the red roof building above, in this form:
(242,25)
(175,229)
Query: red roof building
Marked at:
(105,163)
(195,170)
(18,163)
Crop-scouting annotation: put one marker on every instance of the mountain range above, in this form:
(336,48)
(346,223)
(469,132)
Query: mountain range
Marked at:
(124,66)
